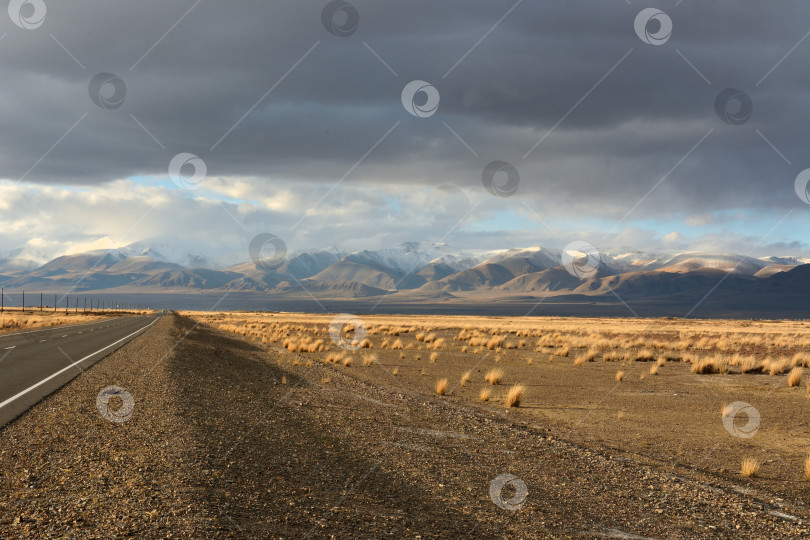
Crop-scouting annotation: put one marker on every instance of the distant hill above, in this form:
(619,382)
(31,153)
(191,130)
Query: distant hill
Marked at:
(424,272)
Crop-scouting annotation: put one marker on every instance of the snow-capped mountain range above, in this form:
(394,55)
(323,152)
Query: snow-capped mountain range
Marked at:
(423,272)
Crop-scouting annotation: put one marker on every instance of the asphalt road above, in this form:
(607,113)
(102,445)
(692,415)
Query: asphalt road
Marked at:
(36,363)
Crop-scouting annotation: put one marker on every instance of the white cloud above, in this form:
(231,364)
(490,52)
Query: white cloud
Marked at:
(43,222)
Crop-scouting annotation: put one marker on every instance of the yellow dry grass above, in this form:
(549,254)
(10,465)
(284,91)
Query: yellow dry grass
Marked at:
(749,467)
(795,377)
(515,395)
(494,376)
(16,320)
(707,347)
(369,359)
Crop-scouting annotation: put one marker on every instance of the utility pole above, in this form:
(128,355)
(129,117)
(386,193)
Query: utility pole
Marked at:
(67,304)
(40,302)
(23,303)
(85,304)
(54,303)
(77,305)
(2,299)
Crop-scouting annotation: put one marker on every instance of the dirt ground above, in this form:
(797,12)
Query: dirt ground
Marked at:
(233,438)
(673,417)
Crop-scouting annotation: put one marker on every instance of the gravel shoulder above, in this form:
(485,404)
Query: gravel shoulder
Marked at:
(228,440)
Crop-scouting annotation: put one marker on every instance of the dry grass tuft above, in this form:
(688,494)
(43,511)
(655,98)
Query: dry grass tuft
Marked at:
(433,357)
(494,376)
(395,371)
(495,342)
(441,387)
(369,359)
(654,369)
(795,377)
(777,366)
(464,378)
(712,364)
(515,395)
(749,467)
(485,394)
(619,376)
(347,361)
(283,379)
(749,364)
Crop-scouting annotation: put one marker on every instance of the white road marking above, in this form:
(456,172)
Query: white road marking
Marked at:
(12,347)
(42,341)
(46,379)
(65,335)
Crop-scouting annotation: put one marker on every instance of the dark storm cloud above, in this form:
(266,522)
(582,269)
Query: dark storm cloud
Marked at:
(507,93)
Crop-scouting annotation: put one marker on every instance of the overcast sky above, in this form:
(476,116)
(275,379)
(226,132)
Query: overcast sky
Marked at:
(615,132)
